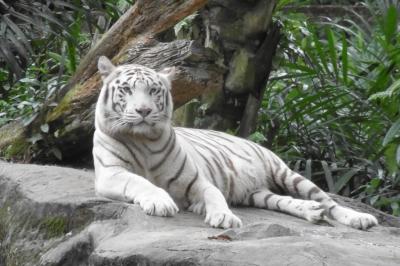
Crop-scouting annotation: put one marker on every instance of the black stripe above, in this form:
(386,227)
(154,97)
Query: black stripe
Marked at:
(112,152)
(266,198)
(251,198)
(277,186)
(100,161)
(209,167)
(283,178)
(330,210)
(212,175)
(272,177)
(129,150)
(167,100)
(104,165)
(262,158)
(134,83)
(225,179)
(113,106)
(189,187)
(231,187)
(121,106)
(205,136)
(133,155)
(230,165)
(167,153)
(229,178)
(210,140)
(136,147)
(277,204)
(171,135)
(176,156)
(192,138)
(219,135)
(177,174)
(125,188)
(215,157)
(314,190)
(105,99)
(250,144)
(296,182)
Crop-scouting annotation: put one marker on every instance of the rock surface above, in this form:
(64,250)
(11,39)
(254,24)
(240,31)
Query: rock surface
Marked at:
(50,216)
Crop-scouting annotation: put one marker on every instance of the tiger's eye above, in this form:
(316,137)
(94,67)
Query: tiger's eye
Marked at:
(152,91)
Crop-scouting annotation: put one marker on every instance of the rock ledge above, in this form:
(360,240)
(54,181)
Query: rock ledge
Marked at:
(50,216)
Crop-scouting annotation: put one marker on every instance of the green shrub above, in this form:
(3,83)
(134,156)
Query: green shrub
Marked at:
(332,107)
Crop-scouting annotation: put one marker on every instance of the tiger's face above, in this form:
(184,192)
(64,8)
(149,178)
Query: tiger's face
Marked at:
(134,99)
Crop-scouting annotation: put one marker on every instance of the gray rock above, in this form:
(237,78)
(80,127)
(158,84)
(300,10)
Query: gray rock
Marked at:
(50,216)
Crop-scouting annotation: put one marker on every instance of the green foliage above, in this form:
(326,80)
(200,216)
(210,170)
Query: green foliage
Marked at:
(29,28)
(332,107)
(27,95)
(257,137)
(41,44)
(54,226)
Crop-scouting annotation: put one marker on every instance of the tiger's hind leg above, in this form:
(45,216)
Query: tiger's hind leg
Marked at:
(300,187)
(308,209)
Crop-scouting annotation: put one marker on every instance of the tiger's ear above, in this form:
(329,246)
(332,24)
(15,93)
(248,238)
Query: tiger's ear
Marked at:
(105,66)
(167,75)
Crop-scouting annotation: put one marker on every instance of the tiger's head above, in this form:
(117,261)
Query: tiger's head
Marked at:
(134,99)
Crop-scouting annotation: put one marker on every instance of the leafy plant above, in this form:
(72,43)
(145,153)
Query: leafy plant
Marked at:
(29,28)
(331,109)
(41,43)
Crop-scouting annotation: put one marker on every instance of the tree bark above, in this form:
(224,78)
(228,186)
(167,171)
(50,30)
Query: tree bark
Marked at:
(144,20)
(263,63)
(132,39)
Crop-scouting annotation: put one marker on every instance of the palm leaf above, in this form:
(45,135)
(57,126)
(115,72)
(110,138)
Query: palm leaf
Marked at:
(332,50)
(345,62)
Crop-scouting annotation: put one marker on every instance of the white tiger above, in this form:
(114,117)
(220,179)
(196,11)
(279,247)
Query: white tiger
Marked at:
(139,157)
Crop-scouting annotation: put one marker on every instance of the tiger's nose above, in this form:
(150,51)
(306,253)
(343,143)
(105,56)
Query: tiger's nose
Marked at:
(143,111)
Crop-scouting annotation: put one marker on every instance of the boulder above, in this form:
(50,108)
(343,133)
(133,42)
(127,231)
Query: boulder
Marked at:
(51,216)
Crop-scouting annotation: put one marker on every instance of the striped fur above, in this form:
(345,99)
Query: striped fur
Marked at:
(139,157)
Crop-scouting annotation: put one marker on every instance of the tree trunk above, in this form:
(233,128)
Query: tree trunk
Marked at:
(131,39)
(263,60)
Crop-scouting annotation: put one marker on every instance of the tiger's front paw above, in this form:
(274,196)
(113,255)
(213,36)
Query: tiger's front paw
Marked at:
(157,203)
(358,220)
(361,220)
(313,211)
(223,219)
